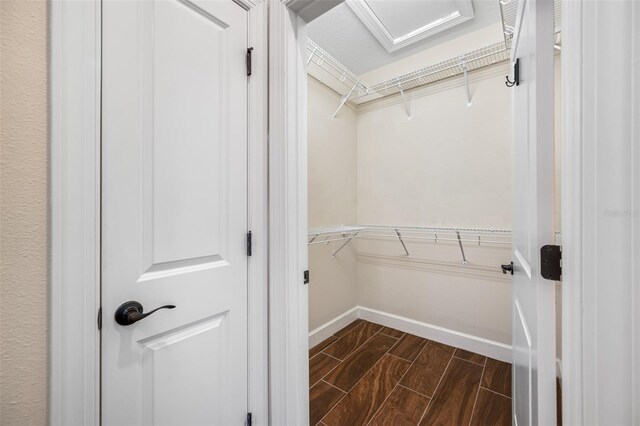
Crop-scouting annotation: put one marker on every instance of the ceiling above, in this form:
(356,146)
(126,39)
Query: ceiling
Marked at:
(361,46)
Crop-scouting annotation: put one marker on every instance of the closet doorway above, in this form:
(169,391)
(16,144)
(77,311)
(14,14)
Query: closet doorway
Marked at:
(414,225)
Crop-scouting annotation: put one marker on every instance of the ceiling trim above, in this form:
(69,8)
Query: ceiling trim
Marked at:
(372,22)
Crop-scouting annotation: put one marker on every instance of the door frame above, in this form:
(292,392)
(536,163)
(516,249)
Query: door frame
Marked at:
(287,121)
(600,202)
(75,109)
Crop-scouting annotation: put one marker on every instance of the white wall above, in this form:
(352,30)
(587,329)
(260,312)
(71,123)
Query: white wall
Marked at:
(332,202)
(451,165)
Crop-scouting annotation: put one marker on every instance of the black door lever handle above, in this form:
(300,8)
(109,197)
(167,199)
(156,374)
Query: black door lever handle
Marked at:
(507,268)
(132,311)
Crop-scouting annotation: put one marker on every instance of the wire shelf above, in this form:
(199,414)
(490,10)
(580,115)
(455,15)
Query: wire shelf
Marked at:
(329,71)
(432,234)
(476,59)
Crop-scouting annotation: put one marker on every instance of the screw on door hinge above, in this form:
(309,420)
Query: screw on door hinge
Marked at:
(551,262)
(249,419)
(249,243)
(100,318)
(248,59)
(305,276)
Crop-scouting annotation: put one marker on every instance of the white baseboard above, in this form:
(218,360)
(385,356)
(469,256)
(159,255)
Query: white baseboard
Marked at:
(559,369)
(490,348)
(327,329)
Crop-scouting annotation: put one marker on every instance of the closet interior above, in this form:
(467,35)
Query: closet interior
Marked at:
(410,162)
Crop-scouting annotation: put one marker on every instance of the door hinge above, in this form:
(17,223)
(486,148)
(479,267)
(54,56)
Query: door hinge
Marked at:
(249,419)
(100,318)
(305,277)
(551,262)
(249,243)
(248,59)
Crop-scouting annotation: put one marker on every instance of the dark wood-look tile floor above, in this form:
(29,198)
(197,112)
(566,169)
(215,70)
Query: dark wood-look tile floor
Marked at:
(368,374)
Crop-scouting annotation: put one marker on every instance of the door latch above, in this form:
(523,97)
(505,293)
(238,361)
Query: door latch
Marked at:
(551,262)
(507,268)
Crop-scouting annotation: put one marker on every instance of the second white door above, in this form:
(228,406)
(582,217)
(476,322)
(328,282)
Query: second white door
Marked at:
(534,352)
(174,212)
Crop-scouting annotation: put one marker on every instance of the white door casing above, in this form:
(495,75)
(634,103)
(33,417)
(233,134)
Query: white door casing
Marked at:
(174,211)
(533,296)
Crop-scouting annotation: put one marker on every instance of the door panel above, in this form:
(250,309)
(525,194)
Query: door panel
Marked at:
(533,297)
(174,211)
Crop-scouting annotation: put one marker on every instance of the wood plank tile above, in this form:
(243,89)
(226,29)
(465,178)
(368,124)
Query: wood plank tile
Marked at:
(491,409)
(497,376)
(352,340)
(359,406)
(404,407)
(349,327)
(353,368)
(320,346)
(391,332)
(456,394)
(322,398)
(470,356)
(408,347)
(319,366)
(428,368)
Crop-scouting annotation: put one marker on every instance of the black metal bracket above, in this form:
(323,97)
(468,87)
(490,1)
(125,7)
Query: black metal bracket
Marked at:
(305,276)
(507,268)
(551,262)
(249,243)
(516,75)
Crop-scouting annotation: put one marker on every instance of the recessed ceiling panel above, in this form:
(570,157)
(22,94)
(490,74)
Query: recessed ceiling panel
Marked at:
(404,16)
(399,23)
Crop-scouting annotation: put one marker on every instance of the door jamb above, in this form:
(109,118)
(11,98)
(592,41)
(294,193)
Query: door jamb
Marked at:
(75,87)
(288,296)
(600,212)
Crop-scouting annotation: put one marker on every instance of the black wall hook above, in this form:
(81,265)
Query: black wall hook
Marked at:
(516,75)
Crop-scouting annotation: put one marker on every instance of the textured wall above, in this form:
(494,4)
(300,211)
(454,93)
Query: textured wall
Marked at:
(23,213)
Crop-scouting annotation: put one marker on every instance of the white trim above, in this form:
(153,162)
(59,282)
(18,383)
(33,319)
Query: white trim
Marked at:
(600,163)
(288,297)
(74,396)
(333,326)
(368,17)
(75,40)
(479,345)
(571,201)
(258,205)
(308,10)
(559,370)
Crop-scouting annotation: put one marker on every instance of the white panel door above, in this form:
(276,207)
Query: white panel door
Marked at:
(533,297)
(174,212)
